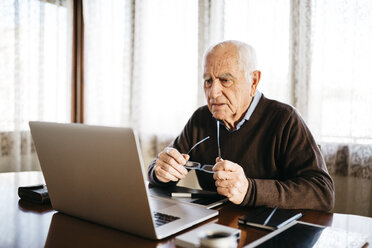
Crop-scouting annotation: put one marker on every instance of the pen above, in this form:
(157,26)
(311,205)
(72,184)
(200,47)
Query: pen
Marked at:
(270,215)
(194,195)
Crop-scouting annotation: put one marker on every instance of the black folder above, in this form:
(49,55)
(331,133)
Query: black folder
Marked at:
(281,217)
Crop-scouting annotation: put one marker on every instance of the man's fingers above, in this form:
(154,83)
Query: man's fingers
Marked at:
(233,193)
(230,184)
(222,175)
(224,192)
(219,159)
(230,181)
(166,159)
(226,165)
(186,157)
(171,169)
(223,183)
(176,155)
(163,175)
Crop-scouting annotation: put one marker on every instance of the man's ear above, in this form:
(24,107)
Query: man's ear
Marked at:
(256,76)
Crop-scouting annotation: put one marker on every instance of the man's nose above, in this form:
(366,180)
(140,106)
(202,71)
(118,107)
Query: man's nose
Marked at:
(215,90)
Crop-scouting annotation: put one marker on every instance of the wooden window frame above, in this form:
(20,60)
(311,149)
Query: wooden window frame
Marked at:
(77,87)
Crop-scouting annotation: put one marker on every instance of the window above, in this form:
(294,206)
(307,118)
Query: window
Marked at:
(141,64)
(35,74)
(335,92)
(35,71)
(341,80)
(264,25)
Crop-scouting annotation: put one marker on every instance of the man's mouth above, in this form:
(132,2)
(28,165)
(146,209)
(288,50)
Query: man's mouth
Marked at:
(218,105)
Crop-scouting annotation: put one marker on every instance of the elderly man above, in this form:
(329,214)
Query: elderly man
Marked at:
(268,155)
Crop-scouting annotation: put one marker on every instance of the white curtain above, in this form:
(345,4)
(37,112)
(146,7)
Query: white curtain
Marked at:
(35,74)
(266,26)
(340,103)
(108,62)
(141,66)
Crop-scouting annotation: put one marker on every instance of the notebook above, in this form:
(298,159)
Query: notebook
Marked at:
(96,173)
(307,235)
(279,218)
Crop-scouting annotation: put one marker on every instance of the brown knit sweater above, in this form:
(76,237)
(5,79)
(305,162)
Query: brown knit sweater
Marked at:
(280,158)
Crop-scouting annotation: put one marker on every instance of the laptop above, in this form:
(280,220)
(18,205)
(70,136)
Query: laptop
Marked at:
(96,173)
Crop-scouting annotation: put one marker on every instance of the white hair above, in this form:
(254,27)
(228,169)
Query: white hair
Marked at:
(247,58)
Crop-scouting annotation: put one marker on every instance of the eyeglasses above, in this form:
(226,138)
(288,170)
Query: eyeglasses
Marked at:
(197,166)
(206,167)
(218,140)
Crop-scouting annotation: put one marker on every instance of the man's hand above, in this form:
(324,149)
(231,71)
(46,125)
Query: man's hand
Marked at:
(170,165)
(230,180)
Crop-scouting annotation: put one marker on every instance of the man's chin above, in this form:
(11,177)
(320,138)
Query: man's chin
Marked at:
(218,115)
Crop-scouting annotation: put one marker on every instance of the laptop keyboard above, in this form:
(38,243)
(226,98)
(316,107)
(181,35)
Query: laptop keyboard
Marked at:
(161,219)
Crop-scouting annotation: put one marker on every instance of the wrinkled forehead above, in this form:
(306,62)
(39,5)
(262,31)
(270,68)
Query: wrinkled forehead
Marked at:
(222,58)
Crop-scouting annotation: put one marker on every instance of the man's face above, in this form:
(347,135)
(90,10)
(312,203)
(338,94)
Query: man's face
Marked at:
(227,91)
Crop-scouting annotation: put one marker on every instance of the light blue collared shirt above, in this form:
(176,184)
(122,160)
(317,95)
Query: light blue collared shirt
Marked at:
(249,112)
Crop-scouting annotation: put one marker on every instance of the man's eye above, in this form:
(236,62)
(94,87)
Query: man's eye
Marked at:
(226,82)
(208,82)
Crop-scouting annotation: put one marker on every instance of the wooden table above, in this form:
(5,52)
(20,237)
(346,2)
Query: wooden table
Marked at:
(23,224)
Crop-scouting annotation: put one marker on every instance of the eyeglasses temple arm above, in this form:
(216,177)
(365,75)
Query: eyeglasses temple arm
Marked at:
(198,144)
